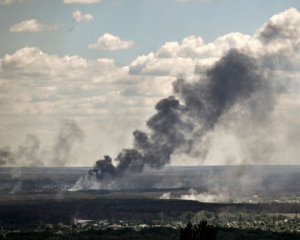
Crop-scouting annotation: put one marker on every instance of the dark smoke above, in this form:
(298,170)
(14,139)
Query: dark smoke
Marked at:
(182,121)
(152,149)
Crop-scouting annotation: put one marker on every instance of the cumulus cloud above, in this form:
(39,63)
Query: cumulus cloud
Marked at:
(117,99)
(8,2)
(282,26)
(81,1)
(109,42)
(188,1)
(70,85)
(182,58)
(80,17)
(276,44)
(32,25)
(100,95)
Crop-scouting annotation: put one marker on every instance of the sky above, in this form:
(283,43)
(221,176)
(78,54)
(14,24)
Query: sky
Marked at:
(147,23)
(84,74)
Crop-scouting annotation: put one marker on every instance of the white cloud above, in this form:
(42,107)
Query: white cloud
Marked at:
(81,1)
(8,2)
(150,65)
(44,88)
(32,25)
(31,62)
(182,58)
(34,84)
(187,1)
(109,42)
(58,80)
(80,17)
(277,41)
(283,25)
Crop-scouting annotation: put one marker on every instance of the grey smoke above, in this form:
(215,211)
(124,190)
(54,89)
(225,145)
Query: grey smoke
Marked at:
(28,152)
(31,154)
(6,156)
(182,121)
(70,134)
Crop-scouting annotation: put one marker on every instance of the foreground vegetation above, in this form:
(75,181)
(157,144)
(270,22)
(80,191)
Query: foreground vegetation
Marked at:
(149,233)
(221,226)
(98,216)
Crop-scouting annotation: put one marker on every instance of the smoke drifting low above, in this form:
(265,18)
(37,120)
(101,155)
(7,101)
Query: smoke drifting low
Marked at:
(182,121)
(31,154)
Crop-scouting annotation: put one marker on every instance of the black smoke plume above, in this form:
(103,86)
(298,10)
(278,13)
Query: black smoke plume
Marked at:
(183,120)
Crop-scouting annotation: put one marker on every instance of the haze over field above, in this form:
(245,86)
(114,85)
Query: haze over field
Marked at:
(216,87)
(144,119)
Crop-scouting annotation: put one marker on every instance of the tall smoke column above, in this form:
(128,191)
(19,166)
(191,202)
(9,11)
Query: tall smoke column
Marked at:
(152,149)
(178,126)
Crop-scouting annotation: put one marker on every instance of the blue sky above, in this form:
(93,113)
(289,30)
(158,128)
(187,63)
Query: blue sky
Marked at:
(149,23)
(104,66)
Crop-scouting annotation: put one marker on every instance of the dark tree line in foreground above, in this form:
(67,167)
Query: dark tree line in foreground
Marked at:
(200,231)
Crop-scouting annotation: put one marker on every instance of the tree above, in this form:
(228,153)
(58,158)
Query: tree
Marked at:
(200,231)
(187,232)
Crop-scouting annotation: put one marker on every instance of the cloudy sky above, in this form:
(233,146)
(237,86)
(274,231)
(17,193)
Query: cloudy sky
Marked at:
(99,67)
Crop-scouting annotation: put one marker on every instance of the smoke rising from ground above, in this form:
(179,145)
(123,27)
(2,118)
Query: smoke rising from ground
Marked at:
(182,121)
(205,197)
(235,111)
(69,135)
(28,153)
(31,154)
